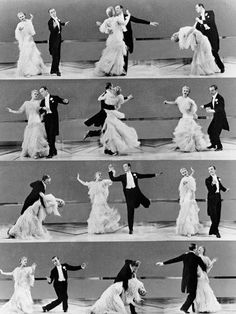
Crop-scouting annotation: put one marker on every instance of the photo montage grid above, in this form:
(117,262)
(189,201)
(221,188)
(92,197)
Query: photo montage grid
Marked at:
(117,156)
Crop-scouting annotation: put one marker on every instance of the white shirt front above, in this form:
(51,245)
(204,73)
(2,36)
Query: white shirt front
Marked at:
(47,105)
(213,100)
(215,180)
(130,181)
(57,21)
(60,273)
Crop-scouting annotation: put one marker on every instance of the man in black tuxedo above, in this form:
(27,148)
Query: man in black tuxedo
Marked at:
(50,117)
(219,121)
(59,278)
(128,35)
(55,28)
(133,195)
(37,188)
(189,276)
(214,186)
(207,26)
(128,271)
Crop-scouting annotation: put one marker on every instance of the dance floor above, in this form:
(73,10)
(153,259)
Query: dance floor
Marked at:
(167,305)
(149,150)
(159,231)
(145,68)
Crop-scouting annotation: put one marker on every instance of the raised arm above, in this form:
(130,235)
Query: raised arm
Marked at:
(19,111)
(6,273)
(81,181)
(102,96)
(167,102)
(74,268)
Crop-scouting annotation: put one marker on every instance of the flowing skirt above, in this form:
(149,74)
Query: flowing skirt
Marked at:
(30,61)
(20,303)
(35,144)
(116,135)
(187,222)
(188,136)
(205,299)
(112,59)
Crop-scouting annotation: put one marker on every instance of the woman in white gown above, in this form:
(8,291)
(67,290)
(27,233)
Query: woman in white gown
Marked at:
(205,299)
(114,298)
(34,144)
(21,301)
(203,62)
(187,222)
(30,224)
(188,135)
(112,59)
(30,61)
(102,218)
(116,136)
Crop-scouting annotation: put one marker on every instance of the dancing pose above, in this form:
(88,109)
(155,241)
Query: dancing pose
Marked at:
(207,26)
(50,115)
(203,62)
(127,272)
(188,136)
(219,121)
(55,28)
(30,61)
(30,224)
(112,59)
(214,186)
(117,137)
(21,300)
(102,218)
(114,298)
(189,276)
(133,195)
(59,278)
(187,222)
(37,188)
(205,299)
(34,144)
(128,33)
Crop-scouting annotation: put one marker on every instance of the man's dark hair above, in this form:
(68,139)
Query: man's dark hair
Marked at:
(212,166)
(44,87)
(55,257)
(45,177)
(50,9)
(214,86)
(201,5)
(108,85)
(129,164)
(192,246)
(121,6)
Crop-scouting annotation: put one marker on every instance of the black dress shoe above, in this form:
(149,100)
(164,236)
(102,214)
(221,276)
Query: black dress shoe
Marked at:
(211,146)
(54,153)
(218,235)
(44,309)
(222,70)
(49,156)
(109,152)
(86,135)
(184,311)
(131,232)
(58,73)
(218,149)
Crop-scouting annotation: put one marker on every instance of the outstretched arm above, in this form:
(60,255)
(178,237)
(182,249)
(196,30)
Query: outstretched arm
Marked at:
(81,181)
(167,102)
(63,101)
(140,21)
(19,111)
(6,273)
(74,268)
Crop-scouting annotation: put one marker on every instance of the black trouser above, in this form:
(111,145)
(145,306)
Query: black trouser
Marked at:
(132,309)
(51,138)
(56,56)
(130,200)
(126,59)
(218,60)
(29,202)
(214,132)
(215,213)
(189,301)
(62,296)
(93,133)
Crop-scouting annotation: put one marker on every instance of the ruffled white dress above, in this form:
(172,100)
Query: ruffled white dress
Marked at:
(188,135)
(116,135)
(30,224)
(187,222)
(30,61)
(34,143)
(102,218)
(205,299)
(21,301)
(203,62)
(112,59)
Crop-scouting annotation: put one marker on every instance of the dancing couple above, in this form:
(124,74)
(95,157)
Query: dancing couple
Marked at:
(203,39)
(30,61)
(115,136)
(114,59)
(195,281)
(43,124)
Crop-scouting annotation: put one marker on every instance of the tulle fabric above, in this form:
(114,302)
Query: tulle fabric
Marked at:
(205,299)
(21,301)
(112,59)
(188,135)
(30,61)
(102,218)
(203,62)
(187,222)
(30,224)
(116,135)
(34,143)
